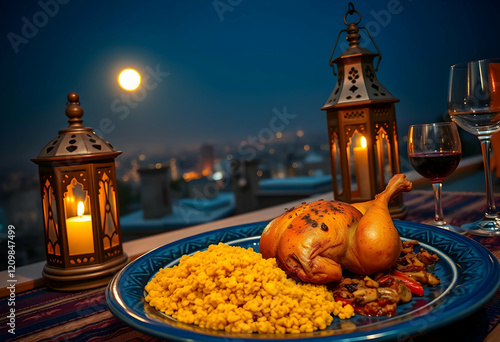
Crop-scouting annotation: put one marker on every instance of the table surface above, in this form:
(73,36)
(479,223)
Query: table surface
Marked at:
(44,314)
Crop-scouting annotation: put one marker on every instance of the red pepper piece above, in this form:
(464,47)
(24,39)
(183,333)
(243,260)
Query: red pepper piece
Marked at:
(343,300)
(415,287)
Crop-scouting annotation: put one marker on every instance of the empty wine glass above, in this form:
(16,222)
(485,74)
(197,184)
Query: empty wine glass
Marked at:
(474,104)
(434,151)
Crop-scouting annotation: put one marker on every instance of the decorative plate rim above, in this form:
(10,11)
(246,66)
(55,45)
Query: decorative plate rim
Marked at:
(456,304)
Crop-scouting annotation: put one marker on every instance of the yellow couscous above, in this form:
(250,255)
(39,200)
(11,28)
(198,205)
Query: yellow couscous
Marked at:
(235,289)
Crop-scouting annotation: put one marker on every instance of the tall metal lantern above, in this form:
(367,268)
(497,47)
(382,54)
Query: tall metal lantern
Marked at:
(80,208)
(361,122)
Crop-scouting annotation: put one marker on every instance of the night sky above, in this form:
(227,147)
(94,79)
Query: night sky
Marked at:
(218,70)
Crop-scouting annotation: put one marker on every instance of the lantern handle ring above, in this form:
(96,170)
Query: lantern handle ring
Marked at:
(351,11)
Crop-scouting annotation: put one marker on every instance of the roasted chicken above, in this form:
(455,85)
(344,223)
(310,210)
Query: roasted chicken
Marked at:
(314,241)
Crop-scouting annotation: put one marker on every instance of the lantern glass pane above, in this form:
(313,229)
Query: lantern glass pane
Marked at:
(50,219)
(351,143)
(384,162)
(78,217)
(108,210)
(336,162)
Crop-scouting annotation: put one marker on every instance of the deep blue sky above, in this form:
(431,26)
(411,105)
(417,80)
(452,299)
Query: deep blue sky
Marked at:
(226,72)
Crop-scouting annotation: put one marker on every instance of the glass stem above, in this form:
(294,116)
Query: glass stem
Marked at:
(438,217)
(491,210)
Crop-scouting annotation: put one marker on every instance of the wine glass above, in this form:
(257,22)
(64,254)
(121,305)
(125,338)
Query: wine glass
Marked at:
(434,151)
(474,104)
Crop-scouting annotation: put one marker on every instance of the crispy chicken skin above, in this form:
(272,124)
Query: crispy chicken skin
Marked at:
(314,241)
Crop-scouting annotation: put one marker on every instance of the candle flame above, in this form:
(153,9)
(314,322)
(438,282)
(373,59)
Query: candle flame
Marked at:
(80,209)
(363,142)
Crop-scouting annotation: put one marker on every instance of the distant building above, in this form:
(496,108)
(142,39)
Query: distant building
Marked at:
(156,199)
(315,164)
(207,159)
(174,172)
(252,193)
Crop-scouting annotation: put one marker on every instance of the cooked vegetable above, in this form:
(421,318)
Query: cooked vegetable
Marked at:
(392,287)
(365,295)
(388,293)
(370,282)
(415,287)
(404,293)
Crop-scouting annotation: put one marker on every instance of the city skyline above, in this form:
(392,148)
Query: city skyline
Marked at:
(216,72)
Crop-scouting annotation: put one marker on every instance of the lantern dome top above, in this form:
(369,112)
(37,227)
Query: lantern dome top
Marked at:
(76,141)
(357,81)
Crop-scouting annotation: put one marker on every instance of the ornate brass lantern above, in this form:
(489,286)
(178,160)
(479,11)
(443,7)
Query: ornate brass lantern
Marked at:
(361,122)
(80,209)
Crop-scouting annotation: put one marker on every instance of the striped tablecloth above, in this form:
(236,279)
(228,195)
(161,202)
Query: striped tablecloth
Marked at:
(46,315)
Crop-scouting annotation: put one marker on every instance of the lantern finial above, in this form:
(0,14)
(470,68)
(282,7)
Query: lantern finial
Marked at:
(352,28)
(73,111)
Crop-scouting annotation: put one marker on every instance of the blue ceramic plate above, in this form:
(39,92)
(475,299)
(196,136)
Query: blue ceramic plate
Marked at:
(469,275)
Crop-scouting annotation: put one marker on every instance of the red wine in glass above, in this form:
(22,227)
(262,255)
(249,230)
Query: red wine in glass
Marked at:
(435,166)
(434,151)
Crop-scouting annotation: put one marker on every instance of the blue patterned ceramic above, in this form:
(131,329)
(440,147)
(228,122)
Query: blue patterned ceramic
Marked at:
(469,275)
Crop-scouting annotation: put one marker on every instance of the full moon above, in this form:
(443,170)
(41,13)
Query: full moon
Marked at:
(129,79)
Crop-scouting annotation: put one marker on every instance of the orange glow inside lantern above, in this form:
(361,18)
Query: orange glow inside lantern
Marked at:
(78,220)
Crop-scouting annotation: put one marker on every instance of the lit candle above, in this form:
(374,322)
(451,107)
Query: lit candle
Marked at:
(362,169)
(79,229)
